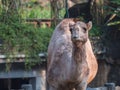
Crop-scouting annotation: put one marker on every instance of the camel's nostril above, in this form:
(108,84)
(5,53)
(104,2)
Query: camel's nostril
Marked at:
(75,37)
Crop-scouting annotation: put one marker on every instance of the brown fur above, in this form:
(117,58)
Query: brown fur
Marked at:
(71,62)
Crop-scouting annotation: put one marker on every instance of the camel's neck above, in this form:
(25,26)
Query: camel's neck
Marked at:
(79,53)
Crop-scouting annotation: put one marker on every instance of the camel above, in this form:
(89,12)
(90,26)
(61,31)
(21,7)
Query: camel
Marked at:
(71,62)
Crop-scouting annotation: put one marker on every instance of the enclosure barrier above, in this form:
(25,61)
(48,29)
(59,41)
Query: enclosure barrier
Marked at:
(26,87)
(107,86)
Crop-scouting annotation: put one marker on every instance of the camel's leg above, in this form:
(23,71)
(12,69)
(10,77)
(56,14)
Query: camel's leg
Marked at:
(51,88)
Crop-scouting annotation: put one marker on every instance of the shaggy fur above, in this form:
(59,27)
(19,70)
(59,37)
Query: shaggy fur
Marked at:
(71,63)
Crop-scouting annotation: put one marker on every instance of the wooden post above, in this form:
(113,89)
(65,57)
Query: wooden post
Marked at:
(27,87)
(98,11)
(9,84)
(54,11)
(56,6)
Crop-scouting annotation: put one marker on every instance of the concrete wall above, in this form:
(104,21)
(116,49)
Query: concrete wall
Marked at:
(36,76)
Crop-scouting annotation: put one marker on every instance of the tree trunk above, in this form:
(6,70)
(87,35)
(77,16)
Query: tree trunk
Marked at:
(98,11)
(56,6)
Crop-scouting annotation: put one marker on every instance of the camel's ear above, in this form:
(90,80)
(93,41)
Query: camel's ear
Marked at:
(71,24)
(89,25)
(76,19)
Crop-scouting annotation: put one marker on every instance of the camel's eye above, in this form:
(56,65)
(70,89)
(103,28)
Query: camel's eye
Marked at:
(77,29)
(71,29)
(85,29)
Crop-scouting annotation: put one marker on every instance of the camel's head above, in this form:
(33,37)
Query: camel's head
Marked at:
(79,31)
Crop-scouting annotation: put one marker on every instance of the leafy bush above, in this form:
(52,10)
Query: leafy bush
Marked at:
(112,17)
(113,7)
(116,2)
(95,31)
(19,37)
(23,38)
(32,10)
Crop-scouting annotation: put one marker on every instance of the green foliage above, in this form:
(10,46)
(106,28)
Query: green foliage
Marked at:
(37,12)
(113,23)
(32,10)
(115,2)
(113,9)
(18,37)
(21,38)
(114,6)
(95,31)
(24,38)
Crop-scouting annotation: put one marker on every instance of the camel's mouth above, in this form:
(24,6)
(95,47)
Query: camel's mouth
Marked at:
(78,40)
(75,39)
